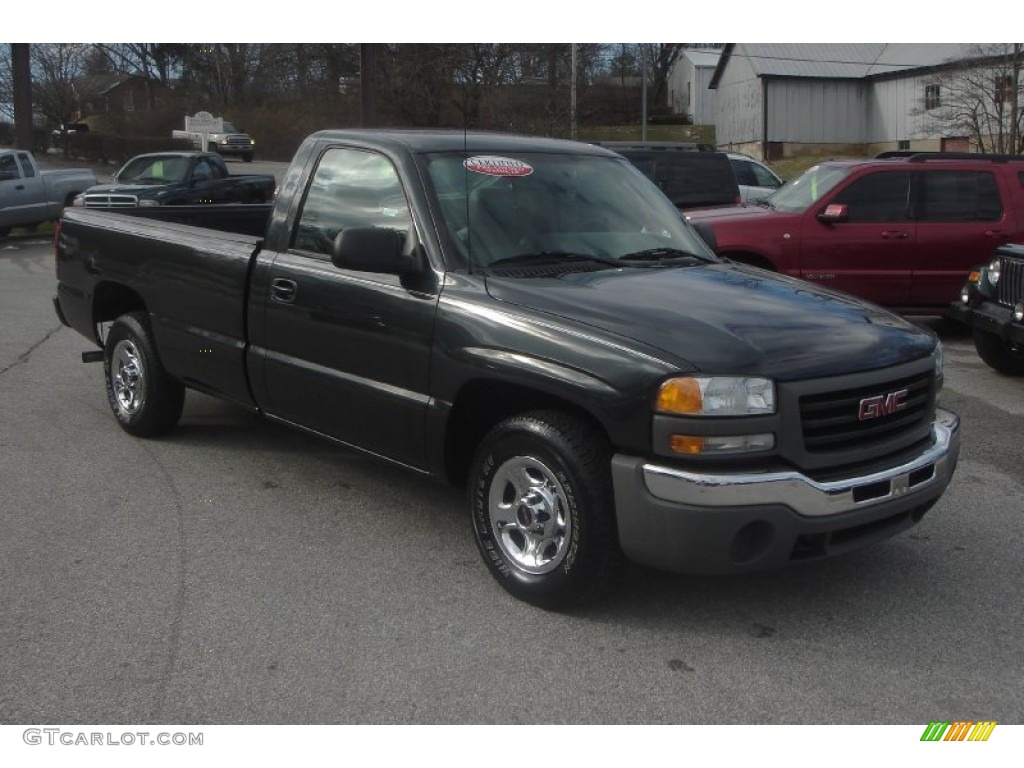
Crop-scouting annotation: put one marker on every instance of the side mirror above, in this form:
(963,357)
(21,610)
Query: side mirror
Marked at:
(373,249)
(707,234)
(833,213)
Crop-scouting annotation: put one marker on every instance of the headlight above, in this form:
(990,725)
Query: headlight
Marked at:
(79,201)
(716,396)
(1018,311)
(993,271)
(938,358)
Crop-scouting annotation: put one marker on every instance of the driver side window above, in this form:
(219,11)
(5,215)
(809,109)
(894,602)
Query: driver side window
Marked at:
(877,197)
(350,188)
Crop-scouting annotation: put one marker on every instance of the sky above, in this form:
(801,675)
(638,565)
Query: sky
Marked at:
(521,21)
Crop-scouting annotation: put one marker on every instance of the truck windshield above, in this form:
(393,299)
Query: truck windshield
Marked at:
(158,169)
(517,207)
(800,194)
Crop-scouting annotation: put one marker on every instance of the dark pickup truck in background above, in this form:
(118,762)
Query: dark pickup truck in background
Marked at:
(903,232)
(530,319)
(992,304)
(177,178)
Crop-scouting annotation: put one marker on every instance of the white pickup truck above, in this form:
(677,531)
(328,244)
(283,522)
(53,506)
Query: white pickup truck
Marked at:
(30,196)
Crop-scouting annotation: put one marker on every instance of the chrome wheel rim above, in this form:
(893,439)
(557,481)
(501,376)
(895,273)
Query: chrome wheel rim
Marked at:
(127,377)
(529,513)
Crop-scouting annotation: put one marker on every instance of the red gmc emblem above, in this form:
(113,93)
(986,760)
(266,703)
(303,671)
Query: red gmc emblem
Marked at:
(882,405)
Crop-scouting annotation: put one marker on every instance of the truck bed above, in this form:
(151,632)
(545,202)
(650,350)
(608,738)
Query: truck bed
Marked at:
(193,279)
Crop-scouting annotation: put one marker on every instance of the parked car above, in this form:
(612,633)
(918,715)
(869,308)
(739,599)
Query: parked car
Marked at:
(992,304)
(756,180)
(532,320)
(29,196)
(231,142)
(691,175)
(903,232)
(177,178)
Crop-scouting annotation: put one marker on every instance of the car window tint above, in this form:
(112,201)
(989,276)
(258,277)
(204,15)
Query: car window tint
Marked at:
(764,176)
(350,188)
(959,196)
(878,196)
(744,173)
(26,165)
(8,168)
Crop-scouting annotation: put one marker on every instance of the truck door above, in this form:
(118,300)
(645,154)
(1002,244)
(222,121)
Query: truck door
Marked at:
(22,197)
(870,253)
(348,353)
(960,221)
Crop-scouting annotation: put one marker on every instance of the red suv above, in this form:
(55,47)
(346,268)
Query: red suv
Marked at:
(902,232)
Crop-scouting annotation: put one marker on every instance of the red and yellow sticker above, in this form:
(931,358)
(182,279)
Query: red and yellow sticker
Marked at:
(493,165)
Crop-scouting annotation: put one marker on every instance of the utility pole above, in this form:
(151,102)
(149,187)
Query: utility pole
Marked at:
(572,93)
(368,84)
(643,93)
(21,69)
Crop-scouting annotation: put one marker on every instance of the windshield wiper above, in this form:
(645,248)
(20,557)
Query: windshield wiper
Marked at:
(552,257)
(662,255)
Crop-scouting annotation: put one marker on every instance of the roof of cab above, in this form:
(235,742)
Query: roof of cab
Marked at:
(452,140)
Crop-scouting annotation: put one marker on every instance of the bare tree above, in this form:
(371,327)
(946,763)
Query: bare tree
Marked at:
(660,58)
(979,97)
(56,68)
(6,85)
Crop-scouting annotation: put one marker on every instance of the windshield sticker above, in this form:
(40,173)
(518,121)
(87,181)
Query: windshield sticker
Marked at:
(490,165)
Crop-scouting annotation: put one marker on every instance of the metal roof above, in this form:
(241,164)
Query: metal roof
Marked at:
(702,58)
(840,60)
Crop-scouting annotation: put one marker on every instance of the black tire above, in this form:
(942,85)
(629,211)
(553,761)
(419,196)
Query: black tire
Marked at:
(146,401)
(5,231)
(248,157)
(211,147)
(549,473)
(998,354)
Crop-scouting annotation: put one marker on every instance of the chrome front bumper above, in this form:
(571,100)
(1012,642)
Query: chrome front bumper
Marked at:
(698,522)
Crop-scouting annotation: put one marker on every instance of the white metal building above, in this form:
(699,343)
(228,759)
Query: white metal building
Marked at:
(783,100)
(688,85)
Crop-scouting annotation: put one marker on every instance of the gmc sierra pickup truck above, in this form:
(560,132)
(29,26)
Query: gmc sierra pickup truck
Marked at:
(177,178)
(533,320)
(903,232)
(29,196)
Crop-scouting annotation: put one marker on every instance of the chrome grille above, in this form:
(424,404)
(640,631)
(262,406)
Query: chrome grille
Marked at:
(111,201)
(237,140)
(831,420)
(1010,288)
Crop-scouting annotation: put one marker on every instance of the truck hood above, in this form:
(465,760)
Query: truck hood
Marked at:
(726,318)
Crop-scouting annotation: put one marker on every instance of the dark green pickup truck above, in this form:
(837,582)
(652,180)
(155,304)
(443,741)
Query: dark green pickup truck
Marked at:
(533,320)
(177,178)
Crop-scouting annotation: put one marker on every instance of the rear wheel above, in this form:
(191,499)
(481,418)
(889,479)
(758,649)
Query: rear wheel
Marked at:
(145,399)
(999,354)
(541,501)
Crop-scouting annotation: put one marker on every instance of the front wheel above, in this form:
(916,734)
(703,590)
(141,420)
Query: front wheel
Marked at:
(145,399)
(998,353)
(248,156)
(541,501)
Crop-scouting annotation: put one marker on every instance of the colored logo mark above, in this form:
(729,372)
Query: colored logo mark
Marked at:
(958,730)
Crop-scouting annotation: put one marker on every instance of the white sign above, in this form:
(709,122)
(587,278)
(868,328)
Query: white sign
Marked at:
(204,122)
